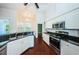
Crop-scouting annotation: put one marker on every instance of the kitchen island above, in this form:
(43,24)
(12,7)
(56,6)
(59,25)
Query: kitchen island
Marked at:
(17,43)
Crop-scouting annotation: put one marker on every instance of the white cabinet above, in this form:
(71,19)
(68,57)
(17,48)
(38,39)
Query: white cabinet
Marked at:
(31,41)
(24,45)
(69,49)
(19,46)
(72,20)
(46,38)
(27,42)
(67,13)
(14,47)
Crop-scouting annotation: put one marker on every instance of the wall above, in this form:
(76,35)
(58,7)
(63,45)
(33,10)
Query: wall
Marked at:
(8,14)
(18,13)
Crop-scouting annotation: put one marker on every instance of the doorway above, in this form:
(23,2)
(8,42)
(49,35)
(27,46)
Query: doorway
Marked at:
(40,30)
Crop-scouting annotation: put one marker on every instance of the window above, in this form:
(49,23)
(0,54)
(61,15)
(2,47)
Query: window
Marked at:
(4,26)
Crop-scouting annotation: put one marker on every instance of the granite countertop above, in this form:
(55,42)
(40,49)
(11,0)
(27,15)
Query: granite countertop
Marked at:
(71,39)
(3,43)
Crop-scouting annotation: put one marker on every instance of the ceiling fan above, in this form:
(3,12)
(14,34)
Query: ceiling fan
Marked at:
(36,4)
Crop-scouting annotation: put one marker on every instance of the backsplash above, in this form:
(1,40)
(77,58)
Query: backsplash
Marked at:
(70,32)
(73,32)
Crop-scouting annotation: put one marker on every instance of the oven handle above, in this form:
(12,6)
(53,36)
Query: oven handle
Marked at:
(55,38)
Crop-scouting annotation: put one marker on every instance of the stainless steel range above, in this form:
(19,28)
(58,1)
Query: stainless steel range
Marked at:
(55,39)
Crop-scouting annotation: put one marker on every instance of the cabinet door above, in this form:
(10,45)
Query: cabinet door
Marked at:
(27,42)
(19,46)
(72,20)
(30,41)
(46,38)
(14,47)
(69,49)
(65,50)
(24,44)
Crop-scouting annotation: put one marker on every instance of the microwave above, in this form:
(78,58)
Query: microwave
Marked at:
(59,25)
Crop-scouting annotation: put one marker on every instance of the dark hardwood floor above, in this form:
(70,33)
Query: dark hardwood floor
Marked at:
(40,48)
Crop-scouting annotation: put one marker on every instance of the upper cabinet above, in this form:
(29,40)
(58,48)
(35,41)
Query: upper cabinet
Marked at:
(68,13)
(72,20)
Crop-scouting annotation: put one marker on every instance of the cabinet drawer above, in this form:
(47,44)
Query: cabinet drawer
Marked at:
(69,49)
(46,38)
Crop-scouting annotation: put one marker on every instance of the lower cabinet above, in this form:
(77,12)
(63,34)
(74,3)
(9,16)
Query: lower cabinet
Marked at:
(69,49)
(14,47)
(19,46)
(46,38)
(27,42)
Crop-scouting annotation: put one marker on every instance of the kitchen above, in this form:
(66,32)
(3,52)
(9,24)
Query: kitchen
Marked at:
(56,24)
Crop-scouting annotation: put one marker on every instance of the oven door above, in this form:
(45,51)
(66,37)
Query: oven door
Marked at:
(55,42)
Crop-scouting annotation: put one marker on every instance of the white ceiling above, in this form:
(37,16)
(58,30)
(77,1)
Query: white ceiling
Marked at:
(14,6)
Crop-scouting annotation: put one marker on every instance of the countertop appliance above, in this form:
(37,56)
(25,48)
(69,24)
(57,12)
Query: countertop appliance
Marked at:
(59,25)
